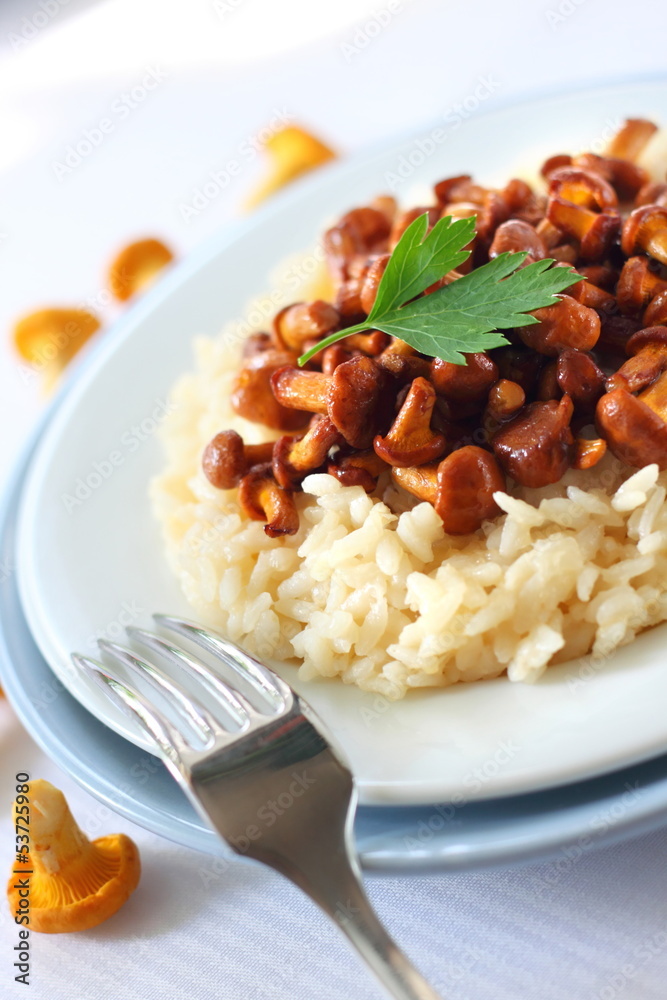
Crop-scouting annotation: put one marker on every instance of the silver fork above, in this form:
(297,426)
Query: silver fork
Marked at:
(236,748)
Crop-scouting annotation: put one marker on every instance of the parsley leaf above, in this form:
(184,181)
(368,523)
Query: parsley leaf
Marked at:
(461,317)
(418,262)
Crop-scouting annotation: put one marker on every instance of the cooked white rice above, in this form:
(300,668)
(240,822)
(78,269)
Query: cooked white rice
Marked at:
(372,591)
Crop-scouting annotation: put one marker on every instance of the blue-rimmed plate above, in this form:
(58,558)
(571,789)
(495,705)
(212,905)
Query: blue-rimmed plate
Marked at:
(83,574)
(90,558)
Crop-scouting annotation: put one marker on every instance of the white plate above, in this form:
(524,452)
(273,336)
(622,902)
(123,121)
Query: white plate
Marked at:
(98,565)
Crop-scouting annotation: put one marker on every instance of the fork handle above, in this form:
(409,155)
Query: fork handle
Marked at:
(344,899)
(381,953)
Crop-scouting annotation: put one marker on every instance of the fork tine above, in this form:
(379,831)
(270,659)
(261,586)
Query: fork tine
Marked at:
(195,713)
(263,679)
(151,720)
(238,707)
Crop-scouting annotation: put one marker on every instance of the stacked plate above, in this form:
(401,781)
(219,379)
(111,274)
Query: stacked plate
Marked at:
(479,774)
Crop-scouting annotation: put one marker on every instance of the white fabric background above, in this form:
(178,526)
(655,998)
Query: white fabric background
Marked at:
(594,929)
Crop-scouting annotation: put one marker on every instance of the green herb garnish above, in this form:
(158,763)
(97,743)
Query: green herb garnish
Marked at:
(463,316)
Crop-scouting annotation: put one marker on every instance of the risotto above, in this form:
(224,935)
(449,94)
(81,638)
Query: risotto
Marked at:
(369,587)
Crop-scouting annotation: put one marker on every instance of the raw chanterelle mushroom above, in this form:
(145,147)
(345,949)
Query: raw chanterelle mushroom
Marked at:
(75,883)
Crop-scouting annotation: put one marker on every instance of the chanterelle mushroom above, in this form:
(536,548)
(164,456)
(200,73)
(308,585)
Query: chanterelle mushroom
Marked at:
(410,440)
(227,458)
(460,488)
(263,499)
(74,884)
(635,427)
(567,323)
(536,447)
(136,266)
(646,229)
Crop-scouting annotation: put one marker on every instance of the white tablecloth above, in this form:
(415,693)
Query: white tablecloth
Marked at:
(594,928)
